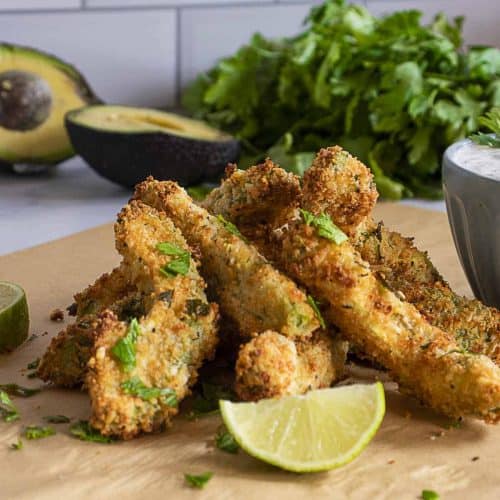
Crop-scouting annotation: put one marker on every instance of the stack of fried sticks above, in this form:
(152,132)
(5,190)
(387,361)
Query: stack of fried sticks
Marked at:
(277,256)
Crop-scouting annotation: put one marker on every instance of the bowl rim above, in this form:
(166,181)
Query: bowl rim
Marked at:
(449,162)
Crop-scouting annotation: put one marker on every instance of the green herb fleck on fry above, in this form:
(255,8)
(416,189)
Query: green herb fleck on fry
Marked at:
(315,307)
(230,227)
(225,441)
(38,432)
(85,432)
(8,411)
(136,387)
(198,480)
(324,226)
(124,349)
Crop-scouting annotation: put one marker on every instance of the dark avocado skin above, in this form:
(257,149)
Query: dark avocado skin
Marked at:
(128,158)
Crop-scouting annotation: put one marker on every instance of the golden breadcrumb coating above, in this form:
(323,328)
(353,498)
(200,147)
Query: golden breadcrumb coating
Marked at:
(177,333)
(336,187)
(254,295)
(272,365)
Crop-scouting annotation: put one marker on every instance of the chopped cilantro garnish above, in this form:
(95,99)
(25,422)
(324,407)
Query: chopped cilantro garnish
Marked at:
(170,249)
(124,349)
(16,446)
(199,192)
(18,390)
(136,387)
(324,226)
(34,364)
(230,227)
(198,480)
(57,419)
(83,430)
(37,432)
(207,402)
(315,307)
(225,441)
(179,265)
(8,411)
(429,495)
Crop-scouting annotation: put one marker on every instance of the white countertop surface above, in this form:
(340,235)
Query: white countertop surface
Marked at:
(69,199)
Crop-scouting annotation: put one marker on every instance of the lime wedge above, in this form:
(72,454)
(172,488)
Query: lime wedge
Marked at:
(14,317)
(319,431)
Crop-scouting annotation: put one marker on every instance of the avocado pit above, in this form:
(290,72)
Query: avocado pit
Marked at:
(25,100)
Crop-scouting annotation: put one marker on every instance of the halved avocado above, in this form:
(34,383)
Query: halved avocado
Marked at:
(36,91)
(126,144)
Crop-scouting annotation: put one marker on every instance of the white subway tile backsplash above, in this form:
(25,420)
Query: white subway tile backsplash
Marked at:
(207,34)
(482,17)
(38,4)
(177,3)
(128,57)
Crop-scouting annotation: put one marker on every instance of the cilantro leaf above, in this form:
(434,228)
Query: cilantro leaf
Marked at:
(136,387)
(491,122)
(34,364)
(18,390)
(200,192)
(225,441)
(85,432)
(315,307)
(38,432)
(230,227)
(124,349)
(57,419)
(324,226)
(170,249)
(8,411)
(429,495)
(198,480)
(179,265)
(17,445)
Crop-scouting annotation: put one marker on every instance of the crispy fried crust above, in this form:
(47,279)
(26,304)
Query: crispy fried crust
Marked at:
(339,185)
(249,290)
(272,365)
(65,360)
(177,333)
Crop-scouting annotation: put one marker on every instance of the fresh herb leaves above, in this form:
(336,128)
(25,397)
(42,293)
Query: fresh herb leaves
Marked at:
(324,226)
(136,387)
(206,401)
(8,411)
(491,122)
(315,307)
(198,480)
(85,432)
(17,446)
(230,227)
(225,441)
(18,390)
(124,349)
(429,495)
(178,265)
(57,419)
(34,364)
(199,192)
(37,432)
(393,91)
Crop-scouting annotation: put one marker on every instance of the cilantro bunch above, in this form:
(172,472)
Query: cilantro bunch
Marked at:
(393,92)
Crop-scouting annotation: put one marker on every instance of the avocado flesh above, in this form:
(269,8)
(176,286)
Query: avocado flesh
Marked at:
(47,141)
(123,119)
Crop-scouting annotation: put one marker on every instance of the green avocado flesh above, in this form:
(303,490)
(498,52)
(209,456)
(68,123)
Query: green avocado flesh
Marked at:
(124,119)
(36,91)
(126,144)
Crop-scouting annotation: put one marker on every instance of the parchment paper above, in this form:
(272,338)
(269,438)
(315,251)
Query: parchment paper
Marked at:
(407,455)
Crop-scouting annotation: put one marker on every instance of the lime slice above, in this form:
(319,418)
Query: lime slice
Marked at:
(14,317)
(319,431)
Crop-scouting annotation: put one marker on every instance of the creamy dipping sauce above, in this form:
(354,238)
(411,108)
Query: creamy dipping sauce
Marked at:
(482,160)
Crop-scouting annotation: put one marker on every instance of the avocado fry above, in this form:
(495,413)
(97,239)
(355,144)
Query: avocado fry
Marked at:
(140,370)
(338,184)
(64,362)
(424,360)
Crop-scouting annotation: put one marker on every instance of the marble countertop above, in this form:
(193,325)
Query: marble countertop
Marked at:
(69,199)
